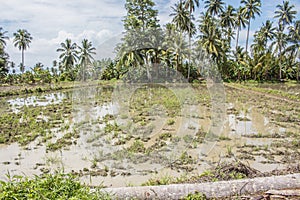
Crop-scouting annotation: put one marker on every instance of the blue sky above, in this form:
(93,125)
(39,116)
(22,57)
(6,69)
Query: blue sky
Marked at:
(52,21)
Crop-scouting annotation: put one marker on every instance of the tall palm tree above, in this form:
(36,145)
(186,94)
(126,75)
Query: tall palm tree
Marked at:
(85,52)
(261,37)
(3,55)
(250,9)
(214,7)
(267,32)
(22,40)
(294,48)
(258,46)
(228,17)
(294,31)
(227,22)
(240,22)
(3,37)
(85,56)
(183,23)
(240,58)
(178,50)
(285,13)
(69,54)
(280,42)
(191,4)
(210,37)
(181,17)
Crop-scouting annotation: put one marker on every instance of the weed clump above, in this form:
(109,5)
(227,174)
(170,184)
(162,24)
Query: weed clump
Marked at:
(48,186)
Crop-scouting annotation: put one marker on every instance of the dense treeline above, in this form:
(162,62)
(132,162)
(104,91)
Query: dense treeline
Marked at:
(273,55)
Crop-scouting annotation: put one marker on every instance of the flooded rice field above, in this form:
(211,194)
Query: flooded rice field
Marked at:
(123,136)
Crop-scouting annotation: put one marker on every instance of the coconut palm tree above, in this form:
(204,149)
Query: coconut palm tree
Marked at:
(181,17)
(240,22)
(85,52)
(294,31)
(191,5)
(267,32)
(285,13)
(279,44)
(22,39)
(228,17)
(68,56)
(261,37)
(179,51)
(228,22)
(250,9)
(210,37)
(85,56)
(3,55)
(294,48)
(183,23)
(240,57)
(214,7)
(3,37)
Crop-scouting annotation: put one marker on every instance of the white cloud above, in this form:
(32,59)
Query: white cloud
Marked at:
(50,22)
(243,37)
(44,50)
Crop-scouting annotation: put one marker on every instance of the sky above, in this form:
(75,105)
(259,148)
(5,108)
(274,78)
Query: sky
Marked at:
(50,22)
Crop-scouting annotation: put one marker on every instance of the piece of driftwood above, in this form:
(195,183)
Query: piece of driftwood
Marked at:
(210,190)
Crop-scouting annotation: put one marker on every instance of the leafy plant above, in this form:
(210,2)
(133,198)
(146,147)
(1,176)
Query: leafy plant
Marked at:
(51,186)
(195,196)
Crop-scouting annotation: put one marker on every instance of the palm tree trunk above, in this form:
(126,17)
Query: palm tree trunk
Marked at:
(190,45)
(148,70)
(298,69)
(248,36)
(237,38)
(23,58)
(280,67)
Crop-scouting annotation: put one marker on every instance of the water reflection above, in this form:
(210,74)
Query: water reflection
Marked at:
(40,100)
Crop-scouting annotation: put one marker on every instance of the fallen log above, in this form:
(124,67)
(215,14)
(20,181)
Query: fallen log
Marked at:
(210,190)
(285,193)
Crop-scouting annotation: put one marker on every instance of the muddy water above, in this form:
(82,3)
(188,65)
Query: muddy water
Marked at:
(96,150)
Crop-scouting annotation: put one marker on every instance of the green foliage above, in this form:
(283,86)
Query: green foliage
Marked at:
(137,147)
(140,15)
(3,55)
(110,70)
(163,180)
(56,186)
(165,136)
(196,196)
(170,122)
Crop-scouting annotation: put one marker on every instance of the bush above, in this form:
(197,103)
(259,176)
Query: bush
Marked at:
(57,186)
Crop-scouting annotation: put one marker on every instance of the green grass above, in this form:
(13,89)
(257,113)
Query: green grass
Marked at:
(276,92)
(137,147)
(170,122)
(52,186)
(195,196)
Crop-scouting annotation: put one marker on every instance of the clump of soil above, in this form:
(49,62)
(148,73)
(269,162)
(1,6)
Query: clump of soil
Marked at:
(229,171)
